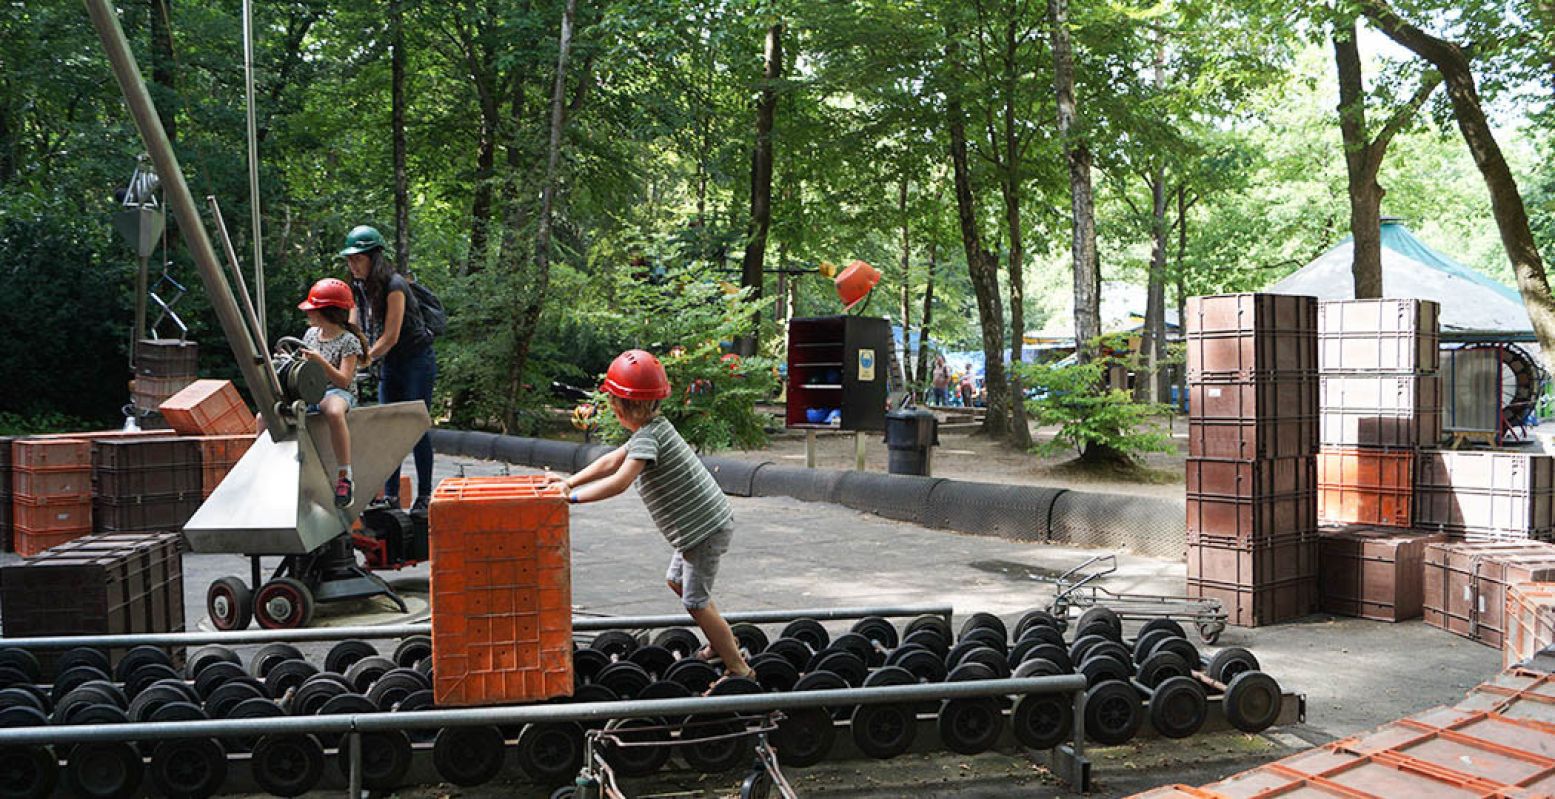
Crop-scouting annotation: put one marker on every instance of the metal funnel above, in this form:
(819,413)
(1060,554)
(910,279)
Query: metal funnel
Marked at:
(280,500)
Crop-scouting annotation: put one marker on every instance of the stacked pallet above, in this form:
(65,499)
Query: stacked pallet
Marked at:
(51,483)
(1380,399)
(1251,474)
(145,484)
(163,367)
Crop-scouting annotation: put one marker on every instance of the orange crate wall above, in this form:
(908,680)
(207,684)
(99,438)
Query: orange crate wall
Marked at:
(1363,486)
(501,591)
(1530,621)
(208,408)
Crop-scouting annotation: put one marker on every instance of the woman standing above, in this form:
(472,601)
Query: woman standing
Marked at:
(401,344)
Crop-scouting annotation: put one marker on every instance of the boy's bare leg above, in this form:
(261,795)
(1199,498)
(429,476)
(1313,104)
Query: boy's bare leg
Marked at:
(721,638)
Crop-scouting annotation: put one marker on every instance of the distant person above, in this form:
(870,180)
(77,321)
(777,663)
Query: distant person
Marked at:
(940,382)
(968,387)
(400,343)
(684,501)
(336,343)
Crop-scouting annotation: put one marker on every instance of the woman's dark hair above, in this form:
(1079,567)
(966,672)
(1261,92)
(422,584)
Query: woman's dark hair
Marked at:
(342,318)
(376,285)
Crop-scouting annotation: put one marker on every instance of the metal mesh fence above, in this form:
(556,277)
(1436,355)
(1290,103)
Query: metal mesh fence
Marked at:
(895,496)
(810,485)
(1146,526)
(1016,512)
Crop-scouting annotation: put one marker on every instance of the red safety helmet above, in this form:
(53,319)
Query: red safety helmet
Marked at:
(328,293)
(855,282)
(636,375)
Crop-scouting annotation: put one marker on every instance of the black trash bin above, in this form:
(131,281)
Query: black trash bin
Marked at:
(909,434)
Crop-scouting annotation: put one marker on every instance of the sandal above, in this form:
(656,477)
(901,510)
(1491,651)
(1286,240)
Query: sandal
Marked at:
(729,675)
(707,653)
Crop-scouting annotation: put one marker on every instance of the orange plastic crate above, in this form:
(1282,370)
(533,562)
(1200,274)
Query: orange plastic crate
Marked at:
(29,543)
(50,515)
(208,408)
(1530,621)
(51,453)
(56,483)
(501,591)
(218,454)
(1365,486)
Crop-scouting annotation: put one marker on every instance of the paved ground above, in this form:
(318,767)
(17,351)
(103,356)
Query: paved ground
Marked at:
(790,554)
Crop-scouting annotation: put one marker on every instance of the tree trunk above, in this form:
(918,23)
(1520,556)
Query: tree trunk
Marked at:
(397,127)
(984,269)
(164,76)
(1087,273)
(1364,191)
(1154,337)
(1182,279)
(924,327)
(751,268)
(1020,433)
(527,320)
(908,376)
(480,207)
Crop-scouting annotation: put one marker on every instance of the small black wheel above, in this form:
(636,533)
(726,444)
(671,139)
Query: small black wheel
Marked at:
(216,675)
(924,665)
(418,701)
(1210,632)
(930,622)
(878,631)
(1042,721)
(271,655)
(229,603)
(639,761)
(624,677)
(550,753)
(284,603)
(22,661)
(413,649)
(386,758)
(366,671)
(1035,618)
(1178,707)
(757,785)
(311,695)
(614,643)
(1182,646)
(468,756)
(103,770)
(1112,713)
(884,731)
(775,673)
(1162,666)
(1163,623)
(1038,667)
(1229,662)
(343,654)
(793,650)
(222,700)
(825,681)
(137,657)
(18,696)
(82,656)
(188,768)
(288,675)
(679,641)
(858,646)
(695,675)
(205,656)
(28,772)
(1098,670)
(1145,643)
(565,792)
(653,659)
(987,637)
(1044,634)
(1252,701)
(392,688)
(845,665)
(287,765)
(714,756)
(1082,645)
(586,663)
(928,639)
(1105,614)
(250,709)
(986,621)
(804,737)
(809,631)
(970,726)
(750,637)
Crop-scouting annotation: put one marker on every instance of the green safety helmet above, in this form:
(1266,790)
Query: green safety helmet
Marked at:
(362,238)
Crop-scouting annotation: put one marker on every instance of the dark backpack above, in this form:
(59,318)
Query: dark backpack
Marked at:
(433,318)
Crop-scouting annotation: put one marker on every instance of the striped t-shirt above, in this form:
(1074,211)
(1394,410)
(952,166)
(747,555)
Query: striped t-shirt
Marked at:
(679,491)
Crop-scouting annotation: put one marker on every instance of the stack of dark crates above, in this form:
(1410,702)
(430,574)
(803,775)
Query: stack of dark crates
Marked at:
(163,367)
(110,584)
(1252,446)
(145,484)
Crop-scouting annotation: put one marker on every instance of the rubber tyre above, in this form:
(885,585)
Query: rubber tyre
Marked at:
(550,753)
(877,630)
(412,649)
(284,603)
(288,675)
(386,756)
(27,772)
(230,604)
(1105,614)
(884,731)
(343,654)
(190,768)
(23,661)
(757,785)
(1178,708)
(638,761)
(1036,617)
(930,622)
(984,621)
(287,765)
(970,726)
(1252,701)
(804,737)
(271,655)
(1169,625)
(82,656)
(1112,713)
(1226,664)
(809,631)
(205,656)
(1162,666)
(1042,721)
(103,770)
(750,637)
(614,643)
(678,640)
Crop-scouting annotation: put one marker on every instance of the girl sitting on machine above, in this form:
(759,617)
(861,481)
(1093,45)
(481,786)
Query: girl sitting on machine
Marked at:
(336,344)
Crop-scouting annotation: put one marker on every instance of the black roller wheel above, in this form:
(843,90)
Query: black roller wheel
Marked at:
(287,765)
(793,650)
(177,711)
(624,677)
(776,674)
(750,637)
(884,731)
(230,604)
(878,631)
(678,640)
(103,770)
(416,702)
(1035,618)
(27,772)
(250,709)
(386,758)
(74,702)
(804,737)
(345,653)
(1145,643)
(1105,614)
(1182,646)
(586,663)
(22,661)
(311,695)
(395,685)
(924,665)
(825,681)
(1227,663)
(845,665)
(284,603)
(930,622)
(216,675)
(808,631)
(1111,649)
(993,659)
(987,637)
(1162,666)
(1168,625)
(928,639)
(366,671)
(756,785)
(695,675)
(99,714)
(10,677)
(1178,707)
(221,701)
(146,702)
(986,621)
(72,679)
(1097,627)
(1112,713)
(969,672)
(205,656)
(271,655)
(347,704)
(653,659)
(288,675)
(22,716)
(970,726)
(82,656)
(110,691)
(188,768)
(21,697)
(145,676)
(859,646)
(1042,634)
(638,761)
(1252,701)
(1051,652)
(1042,721)
(1037,667)
(412,649)
(614,643)
(551,753)
(714,756)
(1082,645)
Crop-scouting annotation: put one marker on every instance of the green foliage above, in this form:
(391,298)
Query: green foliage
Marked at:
(1089,414)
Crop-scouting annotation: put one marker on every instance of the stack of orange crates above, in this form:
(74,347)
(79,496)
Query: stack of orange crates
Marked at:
(52,492)
(208,408)
(501,591)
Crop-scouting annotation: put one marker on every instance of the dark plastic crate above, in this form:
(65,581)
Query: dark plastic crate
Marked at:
(1251,335)
(1264,398)
(1252,439)
(139,514)
(97,585)
(1250,479)
(145,453)
(167,357)
(180,478)
(7,528)
(1241,521)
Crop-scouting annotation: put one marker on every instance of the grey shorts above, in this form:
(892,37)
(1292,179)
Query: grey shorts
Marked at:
(335,391)
(695,569)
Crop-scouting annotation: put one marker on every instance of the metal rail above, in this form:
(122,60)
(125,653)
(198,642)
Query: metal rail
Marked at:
(379,632)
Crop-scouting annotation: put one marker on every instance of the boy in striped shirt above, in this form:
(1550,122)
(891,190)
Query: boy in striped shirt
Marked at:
(681,495)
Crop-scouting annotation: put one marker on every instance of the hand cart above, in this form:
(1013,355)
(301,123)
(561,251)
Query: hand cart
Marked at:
(1079,588)
(597,780)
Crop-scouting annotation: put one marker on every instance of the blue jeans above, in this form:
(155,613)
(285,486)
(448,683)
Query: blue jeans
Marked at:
(402,381)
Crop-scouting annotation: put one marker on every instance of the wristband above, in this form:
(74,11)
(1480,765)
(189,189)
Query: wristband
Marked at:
(573,498)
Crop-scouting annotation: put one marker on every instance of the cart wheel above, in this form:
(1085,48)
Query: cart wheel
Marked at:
(468,756)
(103,770)
(28,772)
(385,759)
(550,752)
(188,768)
(1042,721)
(635,761)
(288,765)
(884,731)
(804,737)
(1211,632)
(1178,707)
(1252,701)
(229,603)
(283,604)
(757,785)
(970,726)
